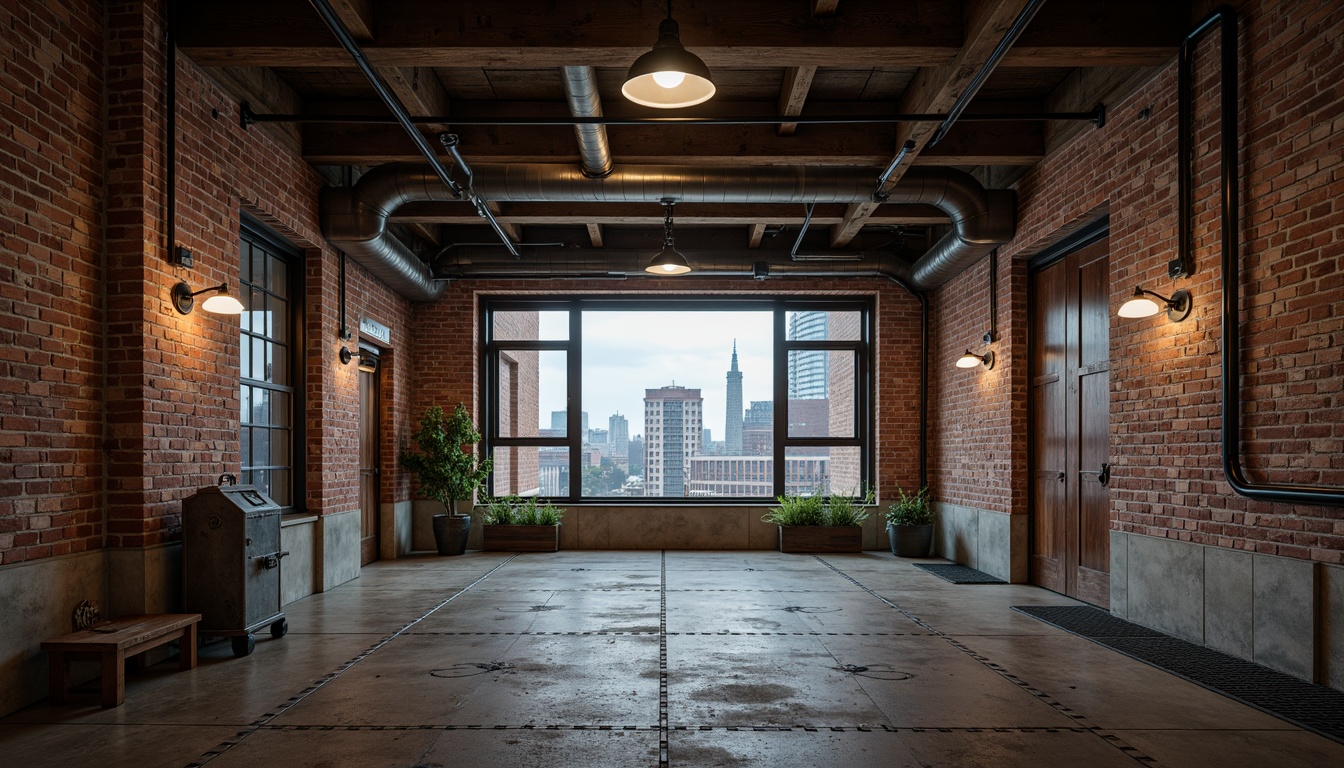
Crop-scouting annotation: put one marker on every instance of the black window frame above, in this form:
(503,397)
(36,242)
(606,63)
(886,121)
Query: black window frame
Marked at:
(781,305)
(257,232)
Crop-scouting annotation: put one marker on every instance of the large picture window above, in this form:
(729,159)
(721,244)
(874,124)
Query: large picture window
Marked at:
(269,429)
(689,399)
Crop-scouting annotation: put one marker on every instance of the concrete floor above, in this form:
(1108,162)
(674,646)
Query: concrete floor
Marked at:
(643,659)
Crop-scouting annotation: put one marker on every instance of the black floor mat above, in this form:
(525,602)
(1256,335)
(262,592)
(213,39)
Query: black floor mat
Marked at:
(1314,707)
(959,574)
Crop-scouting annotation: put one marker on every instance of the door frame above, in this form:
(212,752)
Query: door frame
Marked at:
(377,392)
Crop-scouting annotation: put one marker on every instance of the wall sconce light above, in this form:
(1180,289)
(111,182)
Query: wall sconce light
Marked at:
(221,303)
(1139,305)
(368,361)
(668,261)
(971,360)
(669,76)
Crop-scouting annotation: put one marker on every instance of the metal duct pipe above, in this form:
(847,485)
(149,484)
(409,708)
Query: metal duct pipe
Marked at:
(581,92)
(485,262)
(355,218)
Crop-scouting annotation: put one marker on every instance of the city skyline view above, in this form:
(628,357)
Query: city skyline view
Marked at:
(626,353)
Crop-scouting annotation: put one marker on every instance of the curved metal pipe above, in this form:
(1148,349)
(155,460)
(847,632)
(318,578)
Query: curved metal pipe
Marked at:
(581,92)
(355,218)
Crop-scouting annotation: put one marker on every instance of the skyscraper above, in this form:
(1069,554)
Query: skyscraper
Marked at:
(732,429)
(618,435)
(672,432)
(558,419)
(809,370)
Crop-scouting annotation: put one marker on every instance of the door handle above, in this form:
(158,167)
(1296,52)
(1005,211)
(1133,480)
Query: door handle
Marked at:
(1061,477)
(1103,476)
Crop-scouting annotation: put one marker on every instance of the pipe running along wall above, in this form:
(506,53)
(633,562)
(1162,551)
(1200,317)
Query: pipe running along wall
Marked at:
(355,218)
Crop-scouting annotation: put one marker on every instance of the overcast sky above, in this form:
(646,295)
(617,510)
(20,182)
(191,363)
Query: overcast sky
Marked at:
(627,352)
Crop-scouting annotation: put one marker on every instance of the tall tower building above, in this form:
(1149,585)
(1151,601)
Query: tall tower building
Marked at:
(809,370)
(672,432)
(618,436)
(732,429)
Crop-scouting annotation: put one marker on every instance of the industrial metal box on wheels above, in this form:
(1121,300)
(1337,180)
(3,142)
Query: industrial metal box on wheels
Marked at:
(231,563)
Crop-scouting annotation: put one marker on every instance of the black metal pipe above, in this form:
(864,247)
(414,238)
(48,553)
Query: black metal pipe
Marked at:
(450,143)
(170,141)
(1225,19)
(249,117)
(1015,31)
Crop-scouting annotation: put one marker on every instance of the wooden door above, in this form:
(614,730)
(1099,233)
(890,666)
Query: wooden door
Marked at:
(1070,425)
(368,462)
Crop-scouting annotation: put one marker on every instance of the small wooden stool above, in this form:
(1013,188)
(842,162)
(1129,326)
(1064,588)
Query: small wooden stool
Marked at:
(111,642)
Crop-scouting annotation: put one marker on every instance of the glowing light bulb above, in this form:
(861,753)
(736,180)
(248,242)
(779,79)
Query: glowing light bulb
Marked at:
(669,79)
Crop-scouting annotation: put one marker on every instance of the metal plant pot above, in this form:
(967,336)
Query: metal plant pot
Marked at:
(450,533)
(910,540)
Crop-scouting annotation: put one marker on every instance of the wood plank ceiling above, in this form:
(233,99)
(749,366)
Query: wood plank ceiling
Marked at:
(482,59)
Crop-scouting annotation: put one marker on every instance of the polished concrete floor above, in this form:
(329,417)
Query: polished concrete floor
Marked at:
(649,658)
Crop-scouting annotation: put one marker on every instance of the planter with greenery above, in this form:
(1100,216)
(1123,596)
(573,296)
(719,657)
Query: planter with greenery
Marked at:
(513,524)
(819,523)
(447,470)
(910,524)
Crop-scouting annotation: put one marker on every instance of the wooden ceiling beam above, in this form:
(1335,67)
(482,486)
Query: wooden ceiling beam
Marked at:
(754,234)
(264,91)
(595,234)
(936,91)
(824,7)
(1015,143)
(793,94)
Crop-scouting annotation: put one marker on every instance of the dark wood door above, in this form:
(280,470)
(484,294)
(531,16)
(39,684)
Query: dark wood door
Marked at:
(368,464)
(1070,425)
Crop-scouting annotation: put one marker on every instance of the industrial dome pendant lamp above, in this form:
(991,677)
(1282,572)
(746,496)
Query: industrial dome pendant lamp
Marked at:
(669,76)
(668,261)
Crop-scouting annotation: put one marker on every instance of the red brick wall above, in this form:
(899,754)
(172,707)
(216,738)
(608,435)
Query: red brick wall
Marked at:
(1165,377)
(446,365)
(115,406)
(51,280)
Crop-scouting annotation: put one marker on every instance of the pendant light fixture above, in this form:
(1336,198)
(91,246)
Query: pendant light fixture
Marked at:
(669,76)
(668,261)
(1139,305)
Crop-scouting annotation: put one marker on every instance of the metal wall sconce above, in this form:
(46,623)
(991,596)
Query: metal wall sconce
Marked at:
(1139,305)
(669,76)
(368,362)
(971,360)
(221,303)
(668,261)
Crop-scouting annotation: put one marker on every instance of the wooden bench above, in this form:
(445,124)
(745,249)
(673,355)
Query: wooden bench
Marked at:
(112,642)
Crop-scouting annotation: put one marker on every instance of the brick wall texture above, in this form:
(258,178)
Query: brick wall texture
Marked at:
(1165,437)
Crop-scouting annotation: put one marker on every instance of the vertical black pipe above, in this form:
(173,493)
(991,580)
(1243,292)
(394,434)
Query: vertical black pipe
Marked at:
(170,140)
(1225,19)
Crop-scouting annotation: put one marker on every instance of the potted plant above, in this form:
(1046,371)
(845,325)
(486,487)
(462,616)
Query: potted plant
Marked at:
(910,524)
(448,471)
(816,523)
(515,524)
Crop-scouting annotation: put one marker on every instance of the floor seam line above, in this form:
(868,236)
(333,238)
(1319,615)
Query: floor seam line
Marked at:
(266,719)
(1106,735)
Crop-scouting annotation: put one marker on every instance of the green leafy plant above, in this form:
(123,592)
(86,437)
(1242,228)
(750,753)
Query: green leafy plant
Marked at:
(816,509)
(911,508)
(514,510)
(445,464)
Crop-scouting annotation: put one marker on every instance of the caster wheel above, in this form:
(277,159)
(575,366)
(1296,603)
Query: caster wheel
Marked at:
(244,645)
(279,629)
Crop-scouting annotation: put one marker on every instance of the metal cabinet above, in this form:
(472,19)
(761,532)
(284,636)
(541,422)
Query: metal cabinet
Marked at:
(231,563)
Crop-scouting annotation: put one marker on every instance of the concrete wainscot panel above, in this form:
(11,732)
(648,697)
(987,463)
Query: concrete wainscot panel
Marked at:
(297,570)
(956,530)
(37,601)
(996,546)
(1120,574)
(1332,626)
(340,548)
(1166,586)
(1284,625)
(395,539)
(1227,601)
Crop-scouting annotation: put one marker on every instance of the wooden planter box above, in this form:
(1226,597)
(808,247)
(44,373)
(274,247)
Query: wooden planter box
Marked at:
(521,538)
(820,538)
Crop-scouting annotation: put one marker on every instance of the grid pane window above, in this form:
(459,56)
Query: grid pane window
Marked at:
(267,389)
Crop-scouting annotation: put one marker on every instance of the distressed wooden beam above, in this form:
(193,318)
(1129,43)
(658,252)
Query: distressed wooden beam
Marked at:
(754,234)
(357,16)
(936,91)
(264,91)
(793,94)
(1084,89)
(595,234)
(824,7)
(511,228)
(420,92)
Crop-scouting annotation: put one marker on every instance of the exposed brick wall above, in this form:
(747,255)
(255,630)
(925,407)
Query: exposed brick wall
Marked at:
(51,280)
(447,362)
(115,406)
(1165,377)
